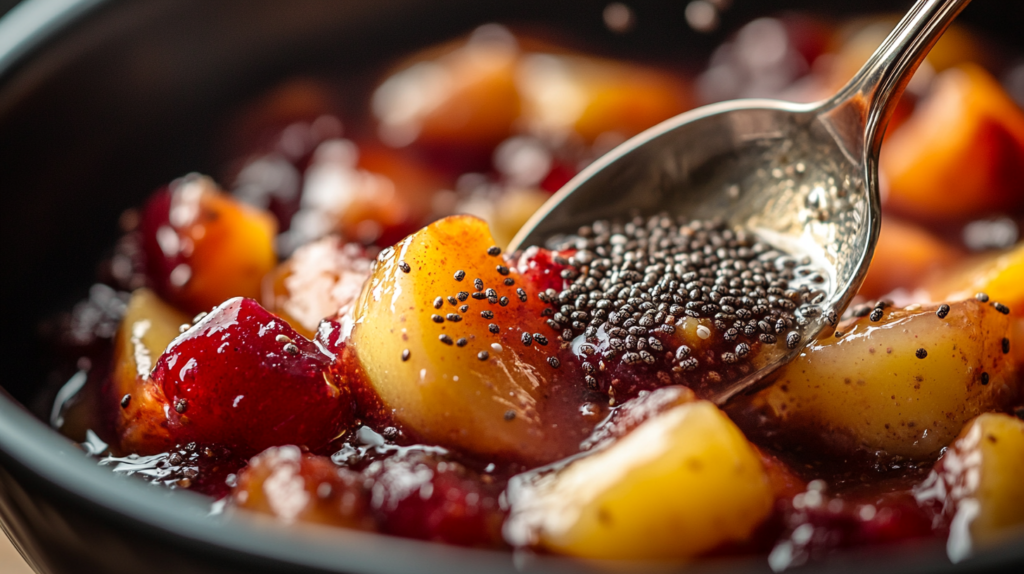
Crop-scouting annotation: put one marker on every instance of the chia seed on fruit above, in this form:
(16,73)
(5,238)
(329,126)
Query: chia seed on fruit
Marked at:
(509,281)
(461,342)
(493,328)
(984,378)
(554,362)
(1001,308)
(181,405)
(437,318)
(460,275)
(921,353)
(1006,345)
(462,295)
(478,284)
(444,338)
(483,355)
(502,270)
(405,355)
(452,301)
(983,297)
(527,339)
(438,302)
(494,251)
(125,401)
(404,267)
(876,315)
(453,317)
(291,349)
(942,311)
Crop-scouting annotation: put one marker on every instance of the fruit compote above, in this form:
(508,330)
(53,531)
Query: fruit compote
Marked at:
(338,336)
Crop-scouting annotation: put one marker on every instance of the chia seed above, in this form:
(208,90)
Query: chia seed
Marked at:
(983,297)
(921,353)
(405,355)
(461,342)
(494,251)
(125,401)
(483,355)
(460,275)
(493,328)
(942,311)
(445,339)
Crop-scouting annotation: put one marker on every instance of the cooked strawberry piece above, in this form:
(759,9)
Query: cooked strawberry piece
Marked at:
(244,379)
(422,496)
(817,525)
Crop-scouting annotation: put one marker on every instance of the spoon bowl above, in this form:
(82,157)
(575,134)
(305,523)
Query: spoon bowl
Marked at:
(803,177)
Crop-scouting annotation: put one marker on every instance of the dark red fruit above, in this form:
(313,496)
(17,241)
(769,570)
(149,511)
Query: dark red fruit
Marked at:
(244,379)
(421,497)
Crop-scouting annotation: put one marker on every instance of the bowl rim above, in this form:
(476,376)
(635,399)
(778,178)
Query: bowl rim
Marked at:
(31,445)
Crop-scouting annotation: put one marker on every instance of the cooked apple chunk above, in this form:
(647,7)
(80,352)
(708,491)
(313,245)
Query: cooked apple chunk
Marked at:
(904,382)
(446,335)
(979,481)
(296,487)
(203,247)
(678,485)
(319,280)
(149,325)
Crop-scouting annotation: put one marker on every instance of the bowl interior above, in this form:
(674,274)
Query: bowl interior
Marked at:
(133,95)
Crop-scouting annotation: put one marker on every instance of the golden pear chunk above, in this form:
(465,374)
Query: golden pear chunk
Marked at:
(980,480)
(904,384)
(457,372)
(678,485)
(149,325)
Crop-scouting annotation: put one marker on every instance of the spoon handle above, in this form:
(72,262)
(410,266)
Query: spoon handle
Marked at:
(876,88)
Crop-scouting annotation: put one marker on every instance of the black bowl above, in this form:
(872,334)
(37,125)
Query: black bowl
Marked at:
(100,103)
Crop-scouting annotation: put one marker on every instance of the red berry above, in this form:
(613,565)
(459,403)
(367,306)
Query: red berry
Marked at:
(422,497)
(244,379)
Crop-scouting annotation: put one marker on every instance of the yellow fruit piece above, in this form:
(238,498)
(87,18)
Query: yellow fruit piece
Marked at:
(870,388)
(318,281)
(226,246)
(999,275)
(959,154)
(905,255)
(982,476)
(149,325)
(443,392)
(588,97)
(678,485)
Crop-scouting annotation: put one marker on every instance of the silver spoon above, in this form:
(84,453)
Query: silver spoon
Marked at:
(804,177)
